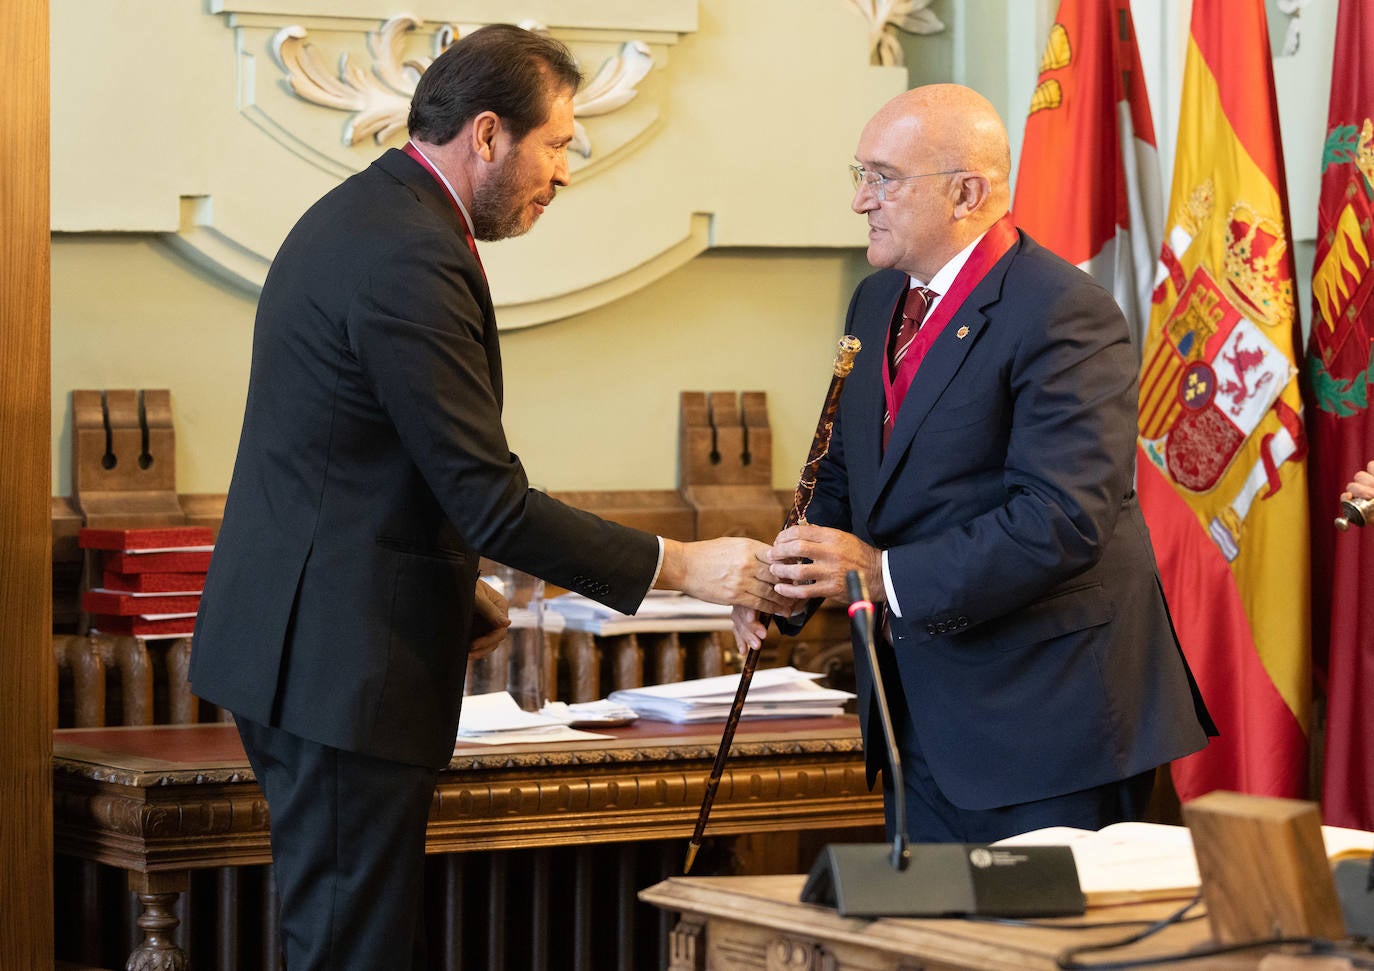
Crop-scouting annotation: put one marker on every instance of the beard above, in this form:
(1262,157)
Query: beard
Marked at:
(498,211)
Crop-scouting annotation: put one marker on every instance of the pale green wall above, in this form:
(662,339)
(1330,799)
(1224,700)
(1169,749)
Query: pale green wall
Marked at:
(591,401)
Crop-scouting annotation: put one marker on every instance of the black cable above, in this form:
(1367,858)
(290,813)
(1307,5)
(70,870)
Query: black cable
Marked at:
(1315,946)
(1068,958)
(1059,925)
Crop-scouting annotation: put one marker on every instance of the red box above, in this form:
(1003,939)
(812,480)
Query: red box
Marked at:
(143,626)
(128,604)
(154,582)
(176,562)
(150,538)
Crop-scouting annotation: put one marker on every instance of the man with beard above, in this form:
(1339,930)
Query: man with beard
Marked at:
(372,474)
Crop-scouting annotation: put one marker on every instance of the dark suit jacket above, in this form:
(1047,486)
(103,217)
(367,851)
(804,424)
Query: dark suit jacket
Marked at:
(1034,650)
(371,473)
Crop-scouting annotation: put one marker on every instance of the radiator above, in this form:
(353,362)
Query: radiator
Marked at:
(546,909)
(563,909)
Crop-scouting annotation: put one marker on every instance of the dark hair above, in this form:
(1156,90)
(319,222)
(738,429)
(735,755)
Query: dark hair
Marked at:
(500,68)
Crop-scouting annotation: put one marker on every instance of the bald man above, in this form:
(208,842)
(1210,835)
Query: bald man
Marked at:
(980,480)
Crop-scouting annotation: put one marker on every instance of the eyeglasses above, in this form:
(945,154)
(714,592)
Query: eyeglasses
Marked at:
(879,182)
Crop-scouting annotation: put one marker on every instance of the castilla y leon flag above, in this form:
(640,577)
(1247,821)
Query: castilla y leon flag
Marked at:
(1339,367)
(1222,448)
(1088,185)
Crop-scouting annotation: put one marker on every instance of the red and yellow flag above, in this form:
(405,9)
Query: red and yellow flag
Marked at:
(1222,448)
(1088,183)
(1340,364)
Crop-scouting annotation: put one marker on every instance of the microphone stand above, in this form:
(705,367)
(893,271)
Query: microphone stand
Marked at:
(933,879)
(861,622)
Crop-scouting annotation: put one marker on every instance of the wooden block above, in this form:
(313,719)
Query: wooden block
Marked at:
(124,458)
(724,439)
(1263,867)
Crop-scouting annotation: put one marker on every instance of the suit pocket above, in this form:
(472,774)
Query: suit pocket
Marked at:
(430,610)
(1064,612)
(431,604)
(957,416)
(415,549)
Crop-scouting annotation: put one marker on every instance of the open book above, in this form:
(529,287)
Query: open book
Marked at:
(1135,862)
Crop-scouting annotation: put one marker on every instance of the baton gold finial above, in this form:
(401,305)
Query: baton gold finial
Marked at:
(844,355)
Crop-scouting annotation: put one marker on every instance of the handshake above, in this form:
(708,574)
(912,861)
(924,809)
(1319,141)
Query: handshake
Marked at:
(804,563)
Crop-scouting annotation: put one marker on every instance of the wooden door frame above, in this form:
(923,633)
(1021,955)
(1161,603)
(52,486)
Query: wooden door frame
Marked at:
(27,691)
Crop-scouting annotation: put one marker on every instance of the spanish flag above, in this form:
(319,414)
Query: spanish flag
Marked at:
(1088,183)
(1340,367)
(1222,449)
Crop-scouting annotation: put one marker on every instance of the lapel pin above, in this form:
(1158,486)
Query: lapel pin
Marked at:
(962,333)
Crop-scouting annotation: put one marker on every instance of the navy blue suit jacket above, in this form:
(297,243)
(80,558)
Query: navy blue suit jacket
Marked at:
(1035,651)
(372,473)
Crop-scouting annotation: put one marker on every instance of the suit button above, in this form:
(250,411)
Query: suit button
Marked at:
(963,622)
(930,628)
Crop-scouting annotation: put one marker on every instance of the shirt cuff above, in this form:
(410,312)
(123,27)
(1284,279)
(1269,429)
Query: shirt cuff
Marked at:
(892,603)
(657,568)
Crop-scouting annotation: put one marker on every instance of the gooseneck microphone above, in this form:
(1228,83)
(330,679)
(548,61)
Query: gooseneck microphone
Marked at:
(861,620)
(933,879)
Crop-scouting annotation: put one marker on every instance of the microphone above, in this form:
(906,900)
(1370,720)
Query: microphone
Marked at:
(861,621)
(932,879)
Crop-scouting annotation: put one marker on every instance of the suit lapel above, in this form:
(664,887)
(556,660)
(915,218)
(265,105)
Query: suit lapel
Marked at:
(940,366)
(434,196)
(863,437)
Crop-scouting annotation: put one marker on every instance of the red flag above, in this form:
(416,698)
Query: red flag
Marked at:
(1222,474)
(1088,186)
(1338,371)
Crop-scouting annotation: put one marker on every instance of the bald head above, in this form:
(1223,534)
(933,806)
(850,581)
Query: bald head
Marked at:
(952,126)
(951,139)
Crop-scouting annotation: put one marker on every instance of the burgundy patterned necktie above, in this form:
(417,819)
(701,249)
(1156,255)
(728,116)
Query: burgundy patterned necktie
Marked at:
(913,312)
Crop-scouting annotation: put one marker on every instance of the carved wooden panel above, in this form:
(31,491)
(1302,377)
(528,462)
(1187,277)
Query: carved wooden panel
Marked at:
(284,99)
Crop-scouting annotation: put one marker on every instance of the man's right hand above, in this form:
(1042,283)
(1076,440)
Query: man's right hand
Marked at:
(729,570)
(1362,485)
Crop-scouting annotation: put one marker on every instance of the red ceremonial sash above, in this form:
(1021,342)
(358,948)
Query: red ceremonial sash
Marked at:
(414,153)
(991,248)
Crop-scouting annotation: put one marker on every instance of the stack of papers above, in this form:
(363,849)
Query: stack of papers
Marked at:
(582,714)
(495,719)
(773,693)
(662,610)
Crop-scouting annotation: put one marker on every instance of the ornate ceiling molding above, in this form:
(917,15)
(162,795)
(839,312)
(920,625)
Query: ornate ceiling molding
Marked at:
(379,99)
(686,138)
(886,17)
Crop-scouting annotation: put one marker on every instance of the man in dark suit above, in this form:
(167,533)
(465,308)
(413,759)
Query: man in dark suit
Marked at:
(980,481)
(372,474)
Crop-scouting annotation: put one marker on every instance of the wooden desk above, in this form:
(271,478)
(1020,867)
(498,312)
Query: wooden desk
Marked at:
(730,923)
(162,801)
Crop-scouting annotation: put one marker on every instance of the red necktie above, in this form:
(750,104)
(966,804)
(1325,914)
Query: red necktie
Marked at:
(918,300)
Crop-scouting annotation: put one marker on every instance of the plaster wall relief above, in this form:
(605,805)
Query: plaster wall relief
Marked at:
(702,123)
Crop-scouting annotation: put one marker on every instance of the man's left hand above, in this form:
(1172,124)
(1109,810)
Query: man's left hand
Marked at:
(490,621)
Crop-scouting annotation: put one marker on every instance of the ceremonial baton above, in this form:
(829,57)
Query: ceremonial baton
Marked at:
(801,499)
